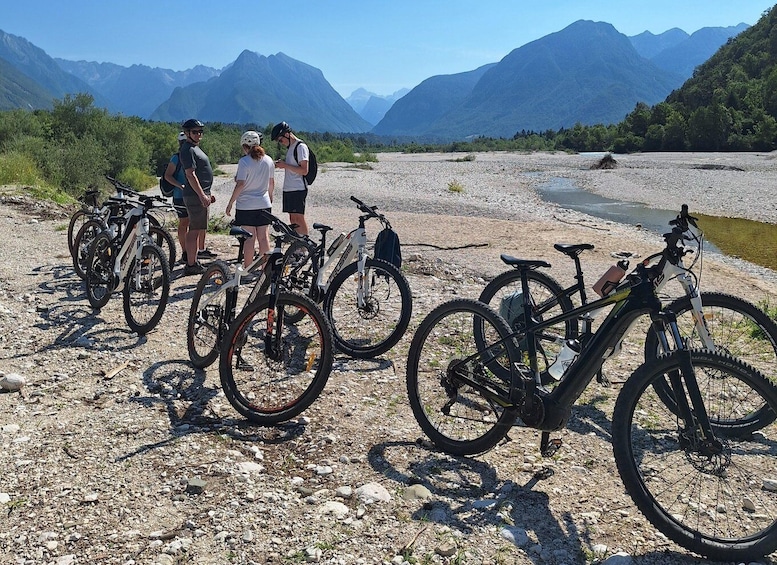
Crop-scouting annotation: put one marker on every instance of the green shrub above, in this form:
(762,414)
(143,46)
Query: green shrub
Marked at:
(455,186)
(137,179)
(17,168)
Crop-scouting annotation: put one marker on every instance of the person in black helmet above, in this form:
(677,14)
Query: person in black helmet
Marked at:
(295,189)
(196,194)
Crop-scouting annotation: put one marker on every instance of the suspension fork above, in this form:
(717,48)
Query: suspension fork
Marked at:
(697,311)
(272,336)
(684,384)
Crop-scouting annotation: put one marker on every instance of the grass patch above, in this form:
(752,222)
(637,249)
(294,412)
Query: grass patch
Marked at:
(219,224)
(456,187)
(465,159)
(735,236)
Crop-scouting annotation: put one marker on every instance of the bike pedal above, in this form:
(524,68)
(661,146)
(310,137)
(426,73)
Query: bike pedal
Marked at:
(602,379)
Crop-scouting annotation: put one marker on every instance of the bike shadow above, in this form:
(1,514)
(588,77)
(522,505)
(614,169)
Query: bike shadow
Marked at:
(186,396)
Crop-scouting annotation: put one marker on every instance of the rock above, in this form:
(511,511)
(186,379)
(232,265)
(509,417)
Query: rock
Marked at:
(417,492)
(12,382)
(372,492)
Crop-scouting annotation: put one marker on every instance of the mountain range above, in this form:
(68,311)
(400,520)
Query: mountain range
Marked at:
(585,73)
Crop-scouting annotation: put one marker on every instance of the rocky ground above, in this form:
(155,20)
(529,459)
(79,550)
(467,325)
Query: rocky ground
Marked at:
(118,451)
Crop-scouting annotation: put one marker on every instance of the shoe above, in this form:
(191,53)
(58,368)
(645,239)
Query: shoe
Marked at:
(206,254)
(184,259)
(196,269)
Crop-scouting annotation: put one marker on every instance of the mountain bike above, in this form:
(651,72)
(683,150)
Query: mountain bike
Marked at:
(111,213)
(272,367)
(708,320)
(215,302)
(367,301)
(133,263)
(688,467)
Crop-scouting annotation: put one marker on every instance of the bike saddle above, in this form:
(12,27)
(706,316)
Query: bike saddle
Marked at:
(321,227)
(572,249)
(523,263)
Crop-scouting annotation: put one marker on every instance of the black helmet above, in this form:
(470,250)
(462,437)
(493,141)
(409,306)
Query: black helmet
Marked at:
(279,130)
(192,123)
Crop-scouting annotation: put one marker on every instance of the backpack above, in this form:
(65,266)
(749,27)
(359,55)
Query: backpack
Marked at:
(511,307)
(387,247)
(165,187)
(312,165)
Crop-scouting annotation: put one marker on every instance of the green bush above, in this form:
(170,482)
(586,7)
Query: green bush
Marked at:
(137,179)
(18,168)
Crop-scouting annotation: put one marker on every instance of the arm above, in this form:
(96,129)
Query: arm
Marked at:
(194,182)
(169,175)
(239,186)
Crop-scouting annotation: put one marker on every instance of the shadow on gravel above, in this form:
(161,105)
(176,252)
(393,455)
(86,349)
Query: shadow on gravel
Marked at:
(185,395)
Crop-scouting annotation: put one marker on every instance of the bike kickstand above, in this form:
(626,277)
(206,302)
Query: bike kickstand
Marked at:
(548,447)
(602,379)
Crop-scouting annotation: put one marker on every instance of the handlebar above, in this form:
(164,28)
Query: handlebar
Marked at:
(144,198)
(370,211)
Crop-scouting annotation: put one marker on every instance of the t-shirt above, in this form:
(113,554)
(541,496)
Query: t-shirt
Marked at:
(192,157)
(291,180)
(180,176)
(257,175)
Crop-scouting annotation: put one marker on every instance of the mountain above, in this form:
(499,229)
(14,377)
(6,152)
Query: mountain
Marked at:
(586,73)
(417,111)
(17,90)
(137,90)
(649,45)
(683,57)
(37,66)
(372,107)
(262,90)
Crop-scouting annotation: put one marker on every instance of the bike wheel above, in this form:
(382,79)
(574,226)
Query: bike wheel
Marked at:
(162,239)
(444,358)
(503,294)
(81,243)
(713,496)
(100,280)
(297,275)
(146,289)
(374,328)
(272,378)
(737,327)
(208,316)
(77,220)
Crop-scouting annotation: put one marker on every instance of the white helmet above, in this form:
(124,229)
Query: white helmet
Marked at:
(181,137)
(251,138)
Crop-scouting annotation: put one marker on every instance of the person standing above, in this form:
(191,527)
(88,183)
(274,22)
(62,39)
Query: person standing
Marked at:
(175,175)
(196,194)
(252,195)
(295,189)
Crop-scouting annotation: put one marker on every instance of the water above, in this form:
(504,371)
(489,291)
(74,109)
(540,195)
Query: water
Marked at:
(567,194)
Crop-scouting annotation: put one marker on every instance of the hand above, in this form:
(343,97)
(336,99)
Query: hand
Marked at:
(212,198)
(228,211)
(205,200)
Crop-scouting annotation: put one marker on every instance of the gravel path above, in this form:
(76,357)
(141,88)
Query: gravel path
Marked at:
(117,451)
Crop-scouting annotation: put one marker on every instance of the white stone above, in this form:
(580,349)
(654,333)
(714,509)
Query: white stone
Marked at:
(12,382)
(516,536)
(373,492)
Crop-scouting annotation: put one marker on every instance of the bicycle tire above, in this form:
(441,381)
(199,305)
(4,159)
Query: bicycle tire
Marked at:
(206,326)
(297,275)
(77,220)
(377,327)
(457,418)
(715,504)
(548,300)
(737,327)
(162,239)
(268,391)
(146,289)
(82,241)
(100,280)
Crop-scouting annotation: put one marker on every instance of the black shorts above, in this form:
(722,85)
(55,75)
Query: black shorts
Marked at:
(253,217)
(180,208)
(294,201)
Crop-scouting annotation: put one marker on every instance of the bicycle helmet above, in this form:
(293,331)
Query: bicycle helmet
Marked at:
(192,123)
(251,138)
(181,137)
(279,130)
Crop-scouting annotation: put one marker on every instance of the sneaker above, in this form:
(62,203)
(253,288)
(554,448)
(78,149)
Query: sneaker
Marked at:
(184,259)
(206,254)
(196,269)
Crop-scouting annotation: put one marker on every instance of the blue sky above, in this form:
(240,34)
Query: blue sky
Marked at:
(378,45)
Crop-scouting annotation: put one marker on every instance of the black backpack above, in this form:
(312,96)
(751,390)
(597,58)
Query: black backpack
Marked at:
(312,165)
(165,187)
(387,247)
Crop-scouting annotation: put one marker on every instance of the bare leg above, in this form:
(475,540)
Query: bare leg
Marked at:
(299,219)
(192,237)
(183,227)
(250,246)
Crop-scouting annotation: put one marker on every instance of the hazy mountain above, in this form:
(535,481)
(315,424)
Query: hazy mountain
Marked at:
(372,107)
(17,90)
(263,90)
(587,73)
(417,111)
(649,45)
(34,63)
(683,57)
(137,90)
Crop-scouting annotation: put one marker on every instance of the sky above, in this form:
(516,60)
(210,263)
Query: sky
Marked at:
(377,45)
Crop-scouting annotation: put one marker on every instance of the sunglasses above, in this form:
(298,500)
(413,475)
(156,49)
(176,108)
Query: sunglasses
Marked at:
(197,131)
